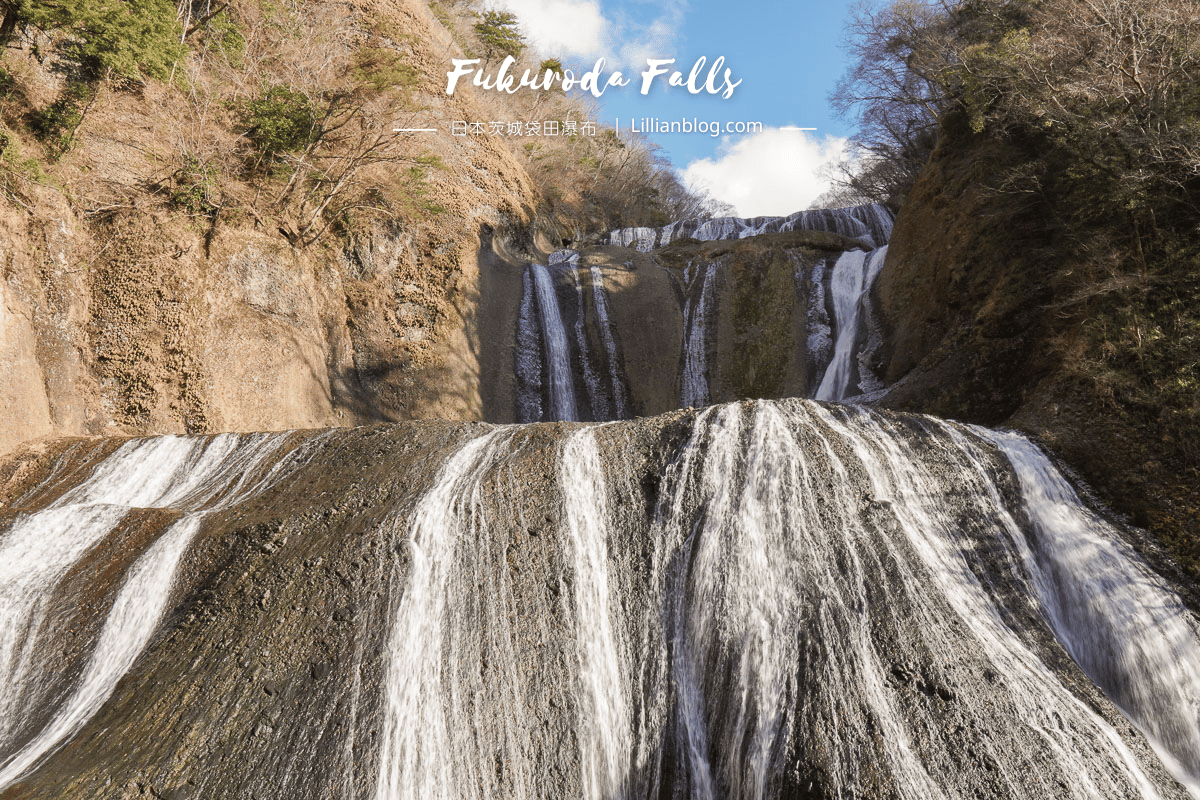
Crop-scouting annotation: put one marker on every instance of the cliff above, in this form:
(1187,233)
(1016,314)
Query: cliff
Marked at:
(1005,309)
(126,309)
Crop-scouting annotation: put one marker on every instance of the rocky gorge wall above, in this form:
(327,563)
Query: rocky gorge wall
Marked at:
(763,599)
(697,598)
(757,308)
(122,315)
(996,312)
(749,327)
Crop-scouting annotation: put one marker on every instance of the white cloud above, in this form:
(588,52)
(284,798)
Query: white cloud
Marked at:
(570,29)
(775,172)
(561,28)
(637,43)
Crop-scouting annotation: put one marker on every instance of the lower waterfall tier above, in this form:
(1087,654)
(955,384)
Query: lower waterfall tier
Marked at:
(772,599)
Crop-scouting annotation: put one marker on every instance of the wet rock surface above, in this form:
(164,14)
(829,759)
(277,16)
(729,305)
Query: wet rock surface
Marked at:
(757,600)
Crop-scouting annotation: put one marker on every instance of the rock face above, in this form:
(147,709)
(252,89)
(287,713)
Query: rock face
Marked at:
(993,313)
(156,336)
(760,600)
(769,599)
(962,300)
(137,318)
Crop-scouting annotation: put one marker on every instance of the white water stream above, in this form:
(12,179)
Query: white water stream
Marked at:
(693,379)
(609,336)
(1116,618)
(871,223)
(853,275)
(779,606)
(604,726)
(809,598)
(416,758)
(194,475)
(558,353)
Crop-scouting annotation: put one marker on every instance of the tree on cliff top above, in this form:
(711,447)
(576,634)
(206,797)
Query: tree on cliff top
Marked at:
(128,39)
(111,40)
(1114,84)
(498,33)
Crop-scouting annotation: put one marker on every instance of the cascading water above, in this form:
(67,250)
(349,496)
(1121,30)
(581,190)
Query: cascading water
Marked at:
(1128,631)
(37,551)
(604,727)
(547,357)
(841,338)
(596,390)
(620,393)
(640,238)
(554,338)
(853,275)
(829,600)
(416,748)
(693,378)
(871,223)
(134,615)
(761,600)
(529,357)
(819,344)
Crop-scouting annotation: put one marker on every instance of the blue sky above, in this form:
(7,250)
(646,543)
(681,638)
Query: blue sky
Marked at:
(788,56)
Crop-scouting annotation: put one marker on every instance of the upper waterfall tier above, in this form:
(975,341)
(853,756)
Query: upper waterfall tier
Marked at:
(755,601)
(767,307)
(870,223)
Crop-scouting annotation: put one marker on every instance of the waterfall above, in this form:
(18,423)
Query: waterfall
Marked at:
(192,475)
(819,345)
(760,600)
(853,275)
(840,221)
(556,344)
(729,228)
(415,760)
(545,348)
(641,238)
(824,586)
(528,356)
(1128,631)
(693,379)
(596,391)
(620,393)
(878,220)
(604,726)
(427,750)
(872,223)
(841,341)
(134,616)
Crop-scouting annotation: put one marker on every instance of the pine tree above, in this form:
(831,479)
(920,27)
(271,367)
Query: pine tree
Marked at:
(132,39)
(498,33)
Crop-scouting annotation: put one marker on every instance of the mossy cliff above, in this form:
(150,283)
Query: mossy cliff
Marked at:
(1025,309)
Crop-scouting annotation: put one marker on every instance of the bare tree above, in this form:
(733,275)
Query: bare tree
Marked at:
(895,89)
